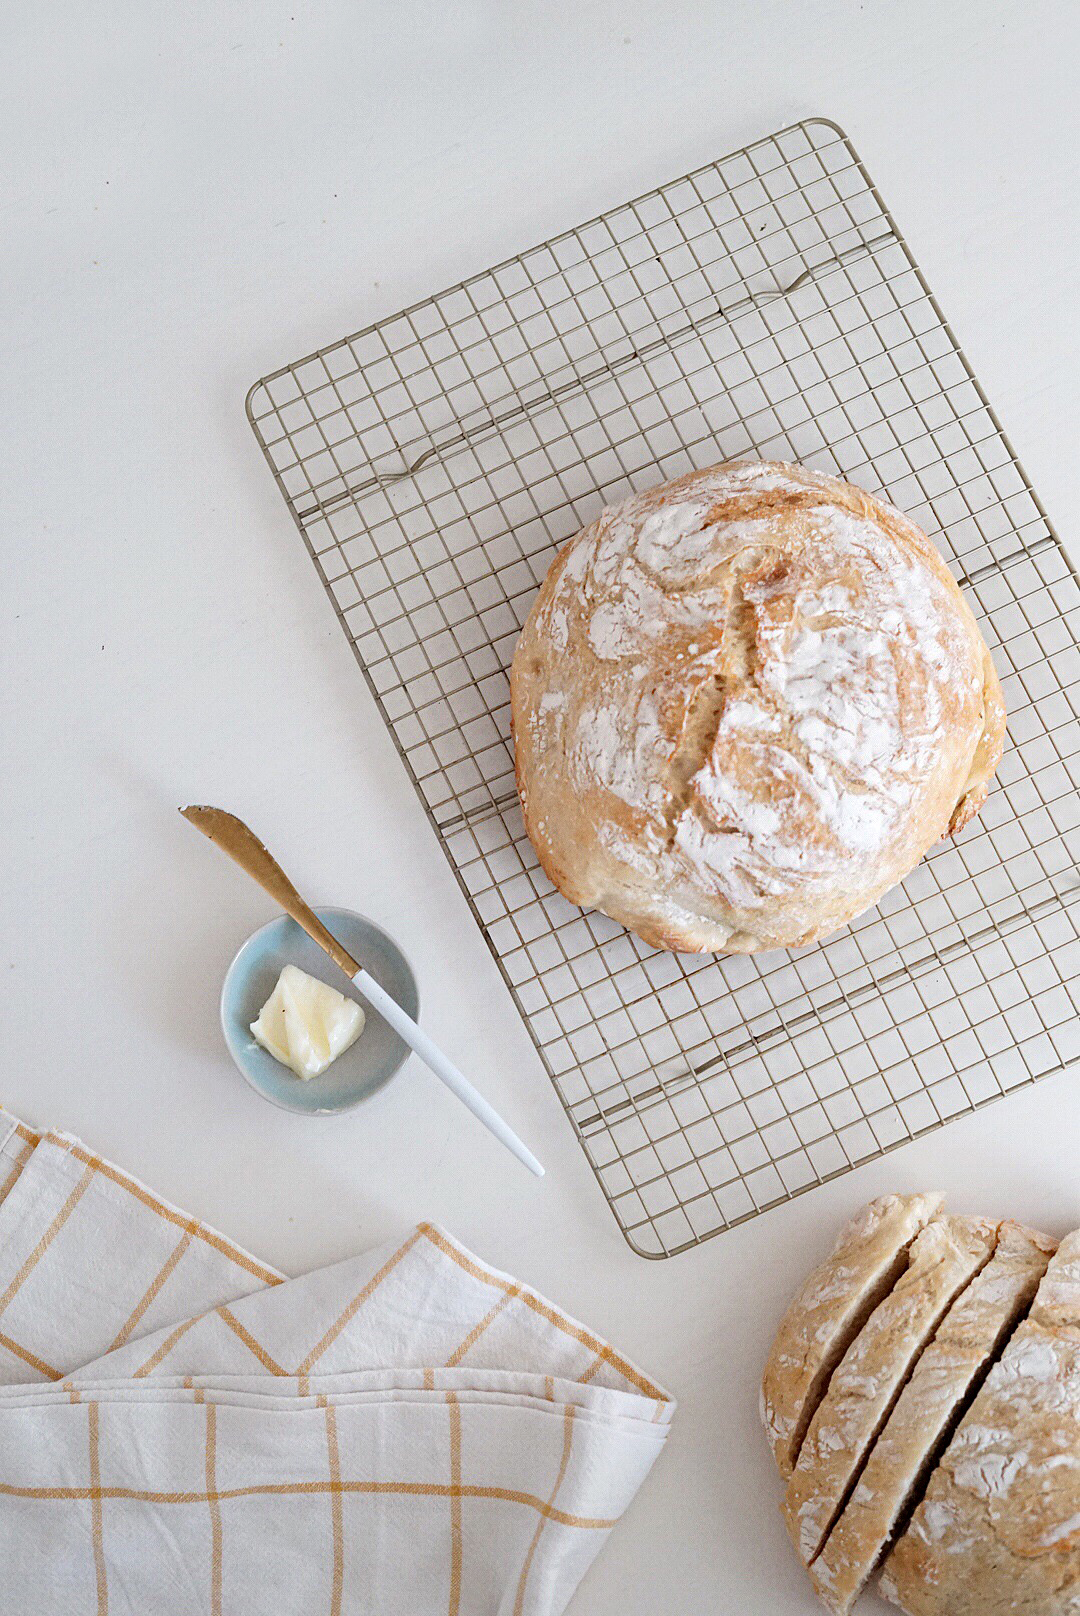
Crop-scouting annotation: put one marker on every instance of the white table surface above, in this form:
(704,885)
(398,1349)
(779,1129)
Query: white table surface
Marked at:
(197,194)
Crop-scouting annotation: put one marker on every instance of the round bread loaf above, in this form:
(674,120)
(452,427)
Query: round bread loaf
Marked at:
(745,704)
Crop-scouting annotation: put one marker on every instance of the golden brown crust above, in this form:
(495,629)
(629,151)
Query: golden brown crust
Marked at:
(744,705)
(987,753)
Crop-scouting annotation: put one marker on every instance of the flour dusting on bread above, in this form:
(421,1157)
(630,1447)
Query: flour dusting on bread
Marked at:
(745,704)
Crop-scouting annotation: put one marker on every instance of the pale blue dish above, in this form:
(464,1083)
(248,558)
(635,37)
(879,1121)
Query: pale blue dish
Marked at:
(378,1052)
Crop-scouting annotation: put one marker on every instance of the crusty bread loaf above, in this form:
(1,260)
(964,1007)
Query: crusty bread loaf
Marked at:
(872,1373)
(998,1530)
(869,1255)
(969,1337)
(745,704)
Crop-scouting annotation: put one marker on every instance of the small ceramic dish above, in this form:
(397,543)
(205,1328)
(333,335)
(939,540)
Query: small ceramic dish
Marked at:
(368,1064)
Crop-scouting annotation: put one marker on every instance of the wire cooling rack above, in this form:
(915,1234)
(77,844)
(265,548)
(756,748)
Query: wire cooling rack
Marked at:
(762,305)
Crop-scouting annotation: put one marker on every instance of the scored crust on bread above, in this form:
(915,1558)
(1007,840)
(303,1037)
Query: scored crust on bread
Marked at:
(869,1256)
(968,1339)
(866,1383)
(744,705)
(997,1532)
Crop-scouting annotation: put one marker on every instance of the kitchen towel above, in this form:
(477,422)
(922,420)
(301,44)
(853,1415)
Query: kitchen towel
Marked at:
(184,1430)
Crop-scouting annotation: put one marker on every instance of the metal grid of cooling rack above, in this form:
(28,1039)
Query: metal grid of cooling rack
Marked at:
(762,305)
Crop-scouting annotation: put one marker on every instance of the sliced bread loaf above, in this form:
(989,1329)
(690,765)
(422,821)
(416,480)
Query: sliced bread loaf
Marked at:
(968,1338)
(868,1380)
(870,1254)
(998,1530)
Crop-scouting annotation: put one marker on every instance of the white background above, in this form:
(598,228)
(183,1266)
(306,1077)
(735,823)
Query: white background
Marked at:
(196,194)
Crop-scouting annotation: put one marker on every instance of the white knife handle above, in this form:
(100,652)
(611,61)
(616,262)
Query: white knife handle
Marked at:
(433,1057)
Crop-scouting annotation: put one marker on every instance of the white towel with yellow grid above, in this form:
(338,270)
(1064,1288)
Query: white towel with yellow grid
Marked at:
(184,1430)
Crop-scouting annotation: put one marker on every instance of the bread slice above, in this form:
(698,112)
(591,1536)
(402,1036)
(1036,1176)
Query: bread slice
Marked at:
(968,1338)
(872,1373)
(870,1254)
(998,1531)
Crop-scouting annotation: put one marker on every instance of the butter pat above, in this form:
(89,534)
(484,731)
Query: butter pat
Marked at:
(305,1024)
